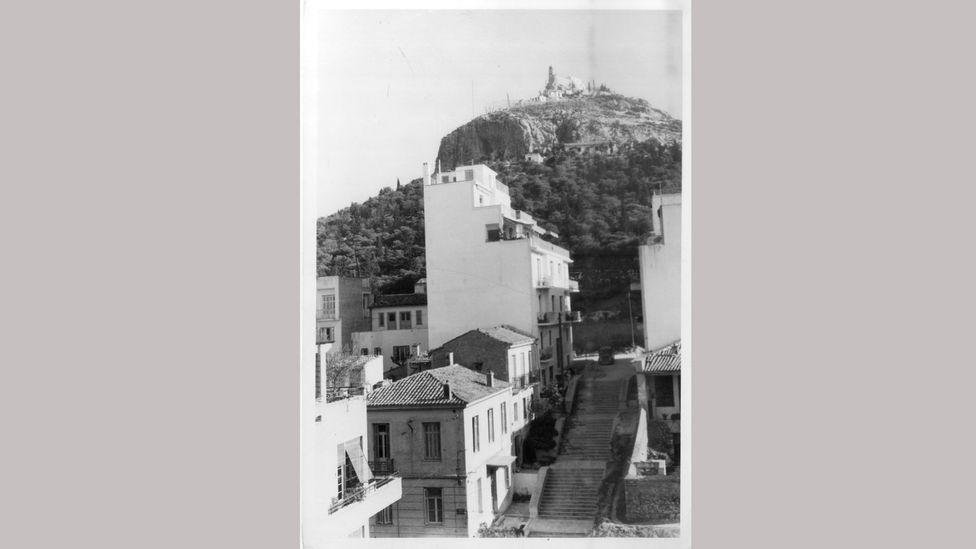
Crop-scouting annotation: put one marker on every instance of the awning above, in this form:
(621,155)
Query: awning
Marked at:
(355,452)
(500,460)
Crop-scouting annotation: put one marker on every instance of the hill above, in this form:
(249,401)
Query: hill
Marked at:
(548,126)
(597,199)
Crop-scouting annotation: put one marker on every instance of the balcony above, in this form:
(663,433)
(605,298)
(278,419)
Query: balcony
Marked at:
(550,317)
(332,394)
(554,317)
(384,489)
(383,467)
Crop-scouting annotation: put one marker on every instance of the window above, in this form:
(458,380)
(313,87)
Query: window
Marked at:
(401,352)
(445,179)
(663,391)
(515,411)
(494,234)
(364,351)
(475,435)
(432,441)
(404,320)
(525,409)
(391,321)
(420,318)
(385,516)
(468,175)
(328,305)
(377,351)
(434,505)
(504,418)
(481,498)
(382,318)
(341,481)
(367,301)
(491,426)
(328,334)
(381,441)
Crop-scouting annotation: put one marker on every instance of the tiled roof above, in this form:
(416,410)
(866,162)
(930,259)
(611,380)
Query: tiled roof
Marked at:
(427,388)
(507,334)
(399,300)
(665,359)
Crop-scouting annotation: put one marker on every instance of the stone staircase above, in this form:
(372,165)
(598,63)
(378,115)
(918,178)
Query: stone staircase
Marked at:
(570,494)
(588,430)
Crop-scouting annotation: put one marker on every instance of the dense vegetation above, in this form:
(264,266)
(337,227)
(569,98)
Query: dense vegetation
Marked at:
(598,203)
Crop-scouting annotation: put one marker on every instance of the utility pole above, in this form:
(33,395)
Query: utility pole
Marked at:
(630,309)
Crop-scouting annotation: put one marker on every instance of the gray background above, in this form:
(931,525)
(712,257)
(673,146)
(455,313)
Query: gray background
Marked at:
(150,290)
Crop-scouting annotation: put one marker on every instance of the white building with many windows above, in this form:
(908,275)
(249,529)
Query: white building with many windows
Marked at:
(489,265)
(399,328)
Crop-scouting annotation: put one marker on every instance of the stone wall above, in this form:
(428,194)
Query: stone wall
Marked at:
(652,499)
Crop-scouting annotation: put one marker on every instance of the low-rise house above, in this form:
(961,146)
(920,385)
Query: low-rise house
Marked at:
(398,328)
(447,431)
(662,369)
(502,350)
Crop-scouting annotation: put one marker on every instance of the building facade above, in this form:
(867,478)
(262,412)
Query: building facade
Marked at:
(488,265)
(660,273)
(341,308)
(448,433)
(501,350)
(660,276)
(398,328)
(340,491)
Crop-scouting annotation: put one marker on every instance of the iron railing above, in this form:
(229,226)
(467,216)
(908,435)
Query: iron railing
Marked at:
(383,467)
(359,492)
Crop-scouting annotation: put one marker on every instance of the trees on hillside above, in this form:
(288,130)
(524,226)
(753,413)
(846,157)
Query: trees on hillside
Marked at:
(596,202)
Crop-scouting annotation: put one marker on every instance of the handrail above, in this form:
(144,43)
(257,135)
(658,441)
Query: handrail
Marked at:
(360,492)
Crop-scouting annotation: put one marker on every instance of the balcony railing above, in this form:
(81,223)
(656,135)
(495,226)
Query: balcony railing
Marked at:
(554,317)
(360,492)
(548,317)
(383,467)
(333,394)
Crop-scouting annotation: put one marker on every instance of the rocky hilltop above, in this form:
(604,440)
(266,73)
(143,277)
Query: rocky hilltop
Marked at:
(542,125)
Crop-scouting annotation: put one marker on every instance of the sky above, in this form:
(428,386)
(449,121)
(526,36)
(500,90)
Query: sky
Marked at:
(391,84)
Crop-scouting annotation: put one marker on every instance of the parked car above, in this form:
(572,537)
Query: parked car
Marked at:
(606,356)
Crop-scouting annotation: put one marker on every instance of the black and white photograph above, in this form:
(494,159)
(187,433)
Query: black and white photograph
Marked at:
(496,273)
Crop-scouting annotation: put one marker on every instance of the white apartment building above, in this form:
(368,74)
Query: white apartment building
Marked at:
(340,490)
(488,265)
(660,273)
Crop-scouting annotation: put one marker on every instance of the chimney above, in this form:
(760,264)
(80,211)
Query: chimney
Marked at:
(447,391)
(491,378)
(450,358)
